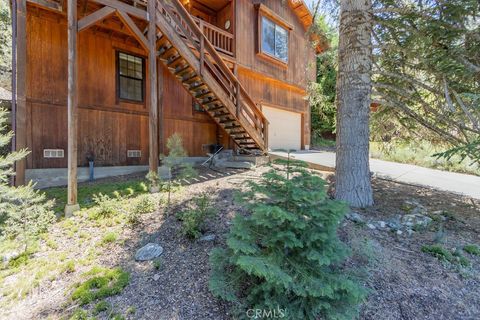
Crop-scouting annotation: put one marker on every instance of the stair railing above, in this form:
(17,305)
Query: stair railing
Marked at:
(210,60)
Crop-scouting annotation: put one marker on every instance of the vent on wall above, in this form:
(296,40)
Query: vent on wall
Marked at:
(134,153)
(53,153)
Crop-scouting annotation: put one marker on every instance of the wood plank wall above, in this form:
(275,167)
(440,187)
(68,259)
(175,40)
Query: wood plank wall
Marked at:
(107,127)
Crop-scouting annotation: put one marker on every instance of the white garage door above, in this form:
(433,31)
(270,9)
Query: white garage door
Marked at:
(285,129)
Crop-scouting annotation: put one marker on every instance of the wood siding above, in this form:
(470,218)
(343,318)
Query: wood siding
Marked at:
(107,127)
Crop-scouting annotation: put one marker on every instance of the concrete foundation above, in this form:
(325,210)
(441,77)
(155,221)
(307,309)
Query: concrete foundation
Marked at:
(56,177)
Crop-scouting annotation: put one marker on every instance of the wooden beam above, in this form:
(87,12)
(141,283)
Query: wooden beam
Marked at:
(72,105)
(152,70)
(93,18)
(121,6)
(21,108)
(133,29)
(47,4)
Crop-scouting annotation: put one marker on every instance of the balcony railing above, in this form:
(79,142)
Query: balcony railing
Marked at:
(222,40)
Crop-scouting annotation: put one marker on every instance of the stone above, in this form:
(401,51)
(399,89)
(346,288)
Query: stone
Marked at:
(208,237)
(355,217)
(394,225)
(149,252)
(382,224)
(399,232)
(156,276)
(371,226)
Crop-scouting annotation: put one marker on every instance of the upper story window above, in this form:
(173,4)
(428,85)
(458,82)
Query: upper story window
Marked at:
(273,36)
(131,77)
(274,39)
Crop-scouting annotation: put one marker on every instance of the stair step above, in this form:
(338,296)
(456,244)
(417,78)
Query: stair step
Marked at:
(177,62)
(204,95)
(182,70)
(228,121)
(192,79)
(195,87)
(166,52)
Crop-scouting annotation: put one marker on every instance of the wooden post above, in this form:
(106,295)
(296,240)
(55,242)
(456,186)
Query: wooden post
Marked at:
(152,70)
(72,101)
(160,80)
(21,99)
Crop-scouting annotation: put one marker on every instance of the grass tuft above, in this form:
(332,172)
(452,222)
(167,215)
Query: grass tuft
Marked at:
(102,283)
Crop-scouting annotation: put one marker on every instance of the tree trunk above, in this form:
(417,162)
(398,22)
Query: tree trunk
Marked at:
(354,87)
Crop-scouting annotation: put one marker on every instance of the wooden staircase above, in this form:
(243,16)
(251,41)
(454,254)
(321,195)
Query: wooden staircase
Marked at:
(187,53)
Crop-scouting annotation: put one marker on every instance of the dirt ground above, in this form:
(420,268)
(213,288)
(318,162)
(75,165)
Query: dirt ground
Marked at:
(404,282)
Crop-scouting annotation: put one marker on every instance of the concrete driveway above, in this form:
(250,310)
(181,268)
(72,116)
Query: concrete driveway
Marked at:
(464,184)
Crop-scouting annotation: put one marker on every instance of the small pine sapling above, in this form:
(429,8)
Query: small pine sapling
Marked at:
(193,220)
(286,255)
(178,169)
(24,211)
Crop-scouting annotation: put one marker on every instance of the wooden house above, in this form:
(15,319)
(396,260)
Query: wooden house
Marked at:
(114,79)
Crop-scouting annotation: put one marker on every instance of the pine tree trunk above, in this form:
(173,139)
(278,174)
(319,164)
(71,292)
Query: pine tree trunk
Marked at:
(353,183)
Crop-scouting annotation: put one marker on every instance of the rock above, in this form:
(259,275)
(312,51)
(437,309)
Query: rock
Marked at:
(156,276)
(410,232)
(394,225)
(416,220)
(382,224)
(355,217)
(399,232)
(10,256)
(208,237)
(148,252)
(371,226)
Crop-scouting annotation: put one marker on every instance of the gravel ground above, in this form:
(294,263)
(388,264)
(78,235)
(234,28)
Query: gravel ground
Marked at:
(404,283)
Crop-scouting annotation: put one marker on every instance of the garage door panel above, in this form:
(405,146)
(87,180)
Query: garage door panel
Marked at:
(285,129)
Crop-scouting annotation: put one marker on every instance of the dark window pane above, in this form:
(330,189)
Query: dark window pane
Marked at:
(268,36)
(130,77)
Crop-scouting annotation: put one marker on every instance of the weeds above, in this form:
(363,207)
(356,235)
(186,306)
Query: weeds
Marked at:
(472,249)
(442,254)
(193,220)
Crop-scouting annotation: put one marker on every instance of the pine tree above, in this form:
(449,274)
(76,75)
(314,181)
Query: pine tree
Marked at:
(286,253)
(24,213)
(178,168)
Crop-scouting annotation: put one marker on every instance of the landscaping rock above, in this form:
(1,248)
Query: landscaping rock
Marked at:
(149,252)
(371,226)
(355,217)
(208,237)
(381,224)
(412,220)
(156,277)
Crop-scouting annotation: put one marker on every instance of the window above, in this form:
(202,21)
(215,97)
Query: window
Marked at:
(274,40)
(131,75)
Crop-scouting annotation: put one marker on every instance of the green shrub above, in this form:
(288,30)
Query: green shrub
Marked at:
(443,254)
(106,206)
(286,253)
(101,306)
(109,238)
(472,249)
(143,204)
(101,283)
(193,220)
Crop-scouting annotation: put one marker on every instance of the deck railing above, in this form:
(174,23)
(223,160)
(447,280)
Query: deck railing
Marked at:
(247,112)
(222,40)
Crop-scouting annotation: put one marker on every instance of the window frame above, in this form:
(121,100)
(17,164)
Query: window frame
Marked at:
(265,12)
(118,76)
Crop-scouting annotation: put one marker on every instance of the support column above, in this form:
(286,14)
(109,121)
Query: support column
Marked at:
(21,86)
(72,105)
(160,81)
(152,71)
